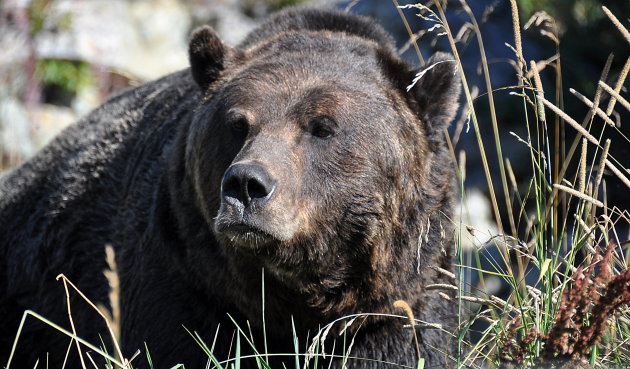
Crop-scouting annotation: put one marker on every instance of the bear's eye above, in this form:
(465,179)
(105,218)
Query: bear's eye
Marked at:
(238,125)
(323,127)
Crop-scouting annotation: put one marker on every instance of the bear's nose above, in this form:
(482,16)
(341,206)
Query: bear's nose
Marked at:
(247,183)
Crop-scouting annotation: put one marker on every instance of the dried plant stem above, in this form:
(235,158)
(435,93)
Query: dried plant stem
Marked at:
(412,36)
(74,330)
(620,81)
(473,115)
(598,90)
(602,165)
(566,160)
(617,24)
(493,118)
(615,95)
(582,183)
(587,135)
(539,89)
(541,65)
(503,304)
(579,194)
(424,326)
(571,121)
(114,282)
(516,24)
(401,304)
(107,322)
(582,224)
(445,272)
(511,175)
(618,173)
(441,286)
(590,104)
(587,233)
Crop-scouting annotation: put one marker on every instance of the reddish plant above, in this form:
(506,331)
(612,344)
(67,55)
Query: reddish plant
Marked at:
(587,302)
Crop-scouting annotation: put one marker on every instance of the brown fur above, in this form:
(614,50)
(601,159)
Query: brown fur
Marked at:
(298,157)
(347,214)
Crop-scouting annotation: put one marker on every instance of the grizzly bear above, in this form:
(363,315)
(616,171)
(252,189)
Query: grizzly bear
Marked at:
(304,168)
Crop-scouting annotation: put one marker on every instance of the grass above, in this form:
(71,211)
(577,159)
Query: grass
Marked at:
(559,228)
(568,317)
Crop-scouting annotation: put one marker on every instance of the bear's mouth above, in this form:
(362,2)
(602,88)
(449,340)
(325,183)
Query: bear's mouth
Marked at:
(252,227)
(245,235)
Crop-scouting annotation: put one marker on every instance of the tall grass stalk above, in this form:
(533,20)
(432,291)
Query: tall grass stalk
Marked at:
(552,245)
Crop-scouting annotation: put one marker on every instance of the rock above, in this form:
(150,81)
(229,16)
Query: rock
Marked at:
(143,39)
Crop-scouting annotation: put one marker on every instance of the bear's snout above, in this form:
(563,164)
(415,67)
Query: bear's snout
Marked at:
(246,184)
(255,211)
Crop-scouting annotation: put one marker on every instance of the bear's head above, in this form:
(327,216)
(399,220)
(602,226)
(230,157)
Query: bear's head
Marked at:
(317,155)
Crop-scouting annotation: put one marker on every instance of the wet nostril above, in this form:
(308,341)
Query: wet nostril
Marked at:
(256,190)
(247,183)
(231,187)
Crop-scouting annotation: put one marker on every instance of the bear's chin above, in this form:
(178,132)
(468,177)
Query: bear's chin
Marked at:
(244,235)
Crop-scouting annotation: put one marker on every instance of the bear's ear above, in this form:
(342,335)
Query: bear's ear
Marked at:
(436,88)
(208,56)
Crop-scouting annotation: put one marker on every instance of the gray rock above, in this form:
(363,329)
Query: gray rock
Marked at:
(143,39)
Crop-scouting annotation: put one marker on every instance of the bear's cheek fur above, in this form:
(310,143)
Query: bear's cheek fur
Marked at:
(209,151)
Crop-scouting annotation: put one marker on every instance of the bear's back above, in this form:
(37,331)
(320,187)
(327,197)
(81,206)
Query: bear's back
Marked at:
(59,208)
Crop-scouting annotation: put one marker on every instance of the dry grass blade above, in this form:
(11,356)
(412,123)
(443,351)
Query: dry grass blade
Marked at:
(620,81)
(65,280)
(587,135)
(602,164)
(618,173)
(445,272)
(588,232)
(517,36)
(425,326)
(91,360)
(28,313)
(114,298)
(615,94)
(579,194)
(441,286)
(590,104)
(412,37)
(412,41)
(511,175)
(493,114)
(542,64)
(473,115)
(74,330)
(477,300)
(582,183)
(463,35)
(351,5)
(539,89)
(401,304)
(464,119)
(571,121)
(617,23)
(547,26)
(598,91)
